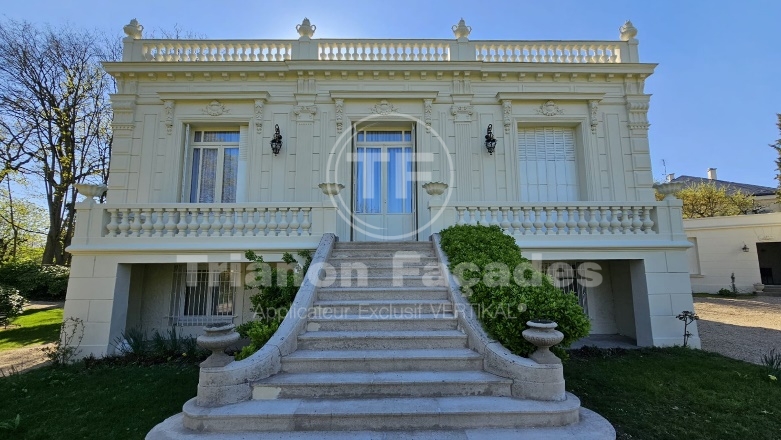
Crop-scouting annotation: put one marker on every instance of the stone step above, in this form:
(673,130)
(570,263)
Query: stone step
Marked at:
(381,340)
(380,293)
(383,414)
(393,281)
(399,254)
(381,308)
(390,323)
(339,262)
(360,384)
(404,245)
(351,273)
(303,361)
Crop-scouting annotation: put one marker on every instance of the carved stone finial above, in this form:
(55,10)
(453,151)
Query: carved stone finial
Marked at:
(461,30)
(628,31)
(133,30)
(306,29)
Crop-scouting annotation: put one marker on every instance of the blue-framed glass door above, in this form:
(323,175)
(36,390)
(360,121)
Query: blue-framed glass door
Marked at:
(383,205)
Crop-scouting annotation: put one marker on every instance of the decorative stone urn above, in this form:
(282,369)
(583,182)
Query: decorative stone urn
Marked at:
(306,29)
(628,31)
(759,287)
(91,191)
(543,334)
(435,189)
(461,30)
(133,30)
(330,189)
(217,339)
(668,189)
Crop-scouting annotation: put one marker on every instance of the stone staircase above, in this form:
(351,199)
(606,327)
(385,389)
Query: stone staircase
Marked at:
(382,358)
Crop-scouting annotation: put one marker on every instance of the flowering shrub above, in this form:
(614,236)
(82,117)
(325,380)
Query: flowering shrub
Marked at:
(11,304)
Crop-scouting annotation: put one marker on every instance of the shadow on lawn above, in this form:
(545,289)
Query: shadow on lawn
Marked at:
(32,334)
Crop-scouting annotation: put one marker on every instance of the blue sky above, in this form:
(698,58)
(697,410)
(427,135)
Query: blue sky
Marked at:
(716,90)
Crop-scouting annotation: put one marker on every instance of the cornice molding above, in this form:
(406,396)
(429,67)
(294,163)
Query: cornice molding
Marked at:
(213,95)
(381,94)
(548,96)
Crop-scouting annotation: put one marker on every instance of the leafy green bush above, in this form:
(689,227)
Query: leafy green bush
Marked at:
(34,281)
(506,291)
(273,300)
(11,304)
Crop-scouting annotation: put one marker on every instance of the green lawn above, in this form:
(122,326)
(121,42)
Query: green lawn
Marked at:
(33,327)
(649,394)
(109,402)
(677,393)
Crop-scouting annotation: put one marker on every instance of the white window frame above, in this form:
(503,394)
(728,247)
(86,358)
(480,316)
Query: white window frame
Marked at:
(561,165)
(220,147)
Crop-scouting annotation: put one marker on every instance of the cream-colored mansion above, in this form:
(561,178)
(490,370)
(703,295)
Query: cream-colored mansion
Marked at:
(226,145)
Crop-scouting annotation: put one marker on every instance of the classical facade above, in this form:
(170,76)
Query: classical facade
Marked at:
(224,146)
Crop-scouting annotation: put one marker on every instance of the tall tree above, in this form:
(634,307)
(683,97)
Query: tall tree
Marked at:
(777,146)
(55,117)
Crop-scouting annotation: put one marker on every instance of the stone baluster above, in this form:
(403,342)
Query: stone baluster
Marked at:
(571,223)
(306,223)
(527,223)
(648,224)
(561,225)
(472,215)
(615,222)
(159,225)
(494,216)
(239,225)
(626,222)
(549,224)
(593,222)
(228,225)
(147,222)
(505,223)
(582,222)
(250,224)
(261,224)
(135,226)
(637,221)
(483,216)
(113,225)
(517,223)
(538,221)
(460,216)
(294,224)
(283,223)
(604,222)
(170,224)
(181,226)
(272,222)
(196,217)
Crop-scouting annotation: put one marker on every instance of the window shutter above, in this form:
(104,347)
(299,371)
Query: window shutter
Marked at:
(548,166)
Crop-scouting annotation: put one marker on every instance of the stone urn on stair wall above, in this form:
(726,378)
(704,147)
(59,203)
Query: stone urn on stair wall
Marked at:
(217,339)
(543,334)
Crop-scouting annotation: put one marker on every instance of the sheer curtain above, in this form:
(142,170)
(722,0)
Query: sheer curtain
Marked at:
(368,181)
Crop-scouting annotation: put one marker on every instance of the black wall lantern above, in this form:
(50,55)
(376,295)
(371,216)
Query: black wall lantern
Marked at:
(490,140)
(276,141)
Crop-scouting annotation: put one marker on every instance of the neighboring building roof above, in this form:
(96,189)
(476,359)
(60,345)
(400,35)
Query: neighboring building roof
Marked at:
(752,190)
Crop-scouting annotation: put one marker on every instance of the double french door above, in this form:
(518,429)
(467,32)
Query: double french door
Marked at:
(383,186)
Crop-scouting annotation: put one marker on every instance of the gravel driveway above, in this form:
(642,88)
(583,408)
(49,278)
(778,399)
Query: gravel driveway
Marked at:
(743,328)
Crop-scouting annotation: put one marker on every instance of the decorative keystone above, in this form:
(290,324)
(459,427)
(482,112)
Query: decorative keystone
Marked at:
(306,29)
(542,334)
(461,30)
(133,30)
(668,189)
(628,31)
(331,189)
(217,339)
(435,189)
(90,191)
